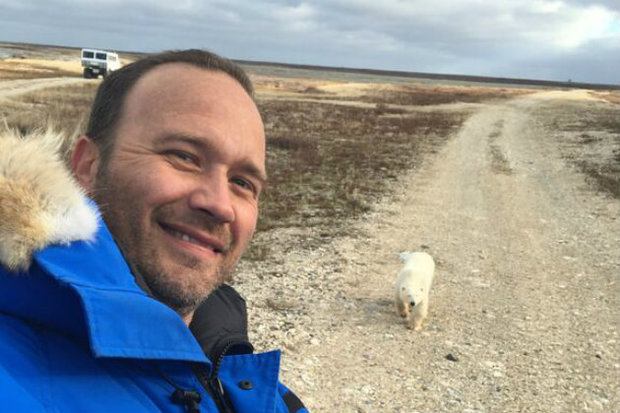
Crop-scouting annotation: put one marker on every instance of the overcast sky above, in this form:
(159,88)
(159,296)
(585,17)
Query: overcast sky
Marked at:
(538,39)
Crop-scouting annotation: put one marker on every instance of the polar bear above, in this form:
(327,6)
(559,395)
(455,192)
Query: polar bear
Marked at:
(413,285)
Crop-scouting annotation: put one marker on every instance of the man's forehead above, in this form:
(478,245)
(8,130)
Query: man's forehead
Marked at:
(182,99)
(177,86)
(172,76)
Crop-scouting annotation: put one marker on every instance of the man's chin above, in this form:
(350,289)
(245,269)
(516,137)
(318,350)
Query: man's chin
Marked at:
(181,282)
(180,299)
(179,289)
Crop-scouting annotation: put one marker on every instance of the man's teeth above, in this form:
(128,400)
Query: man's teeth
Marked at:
(187,238)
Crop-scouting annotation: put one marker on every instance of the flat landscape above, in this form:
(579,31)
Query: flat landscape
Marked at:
(514,190)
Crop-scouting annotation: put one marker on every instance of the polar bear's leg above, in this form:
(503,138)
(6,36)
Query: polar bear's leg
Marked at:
(418,316)
(423,312)
(415,318)
(401,307)
(424,309)
(417,324)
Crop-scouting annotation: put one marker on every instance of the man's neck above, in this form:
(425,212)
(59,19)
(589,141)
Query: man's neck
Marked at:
(188,318)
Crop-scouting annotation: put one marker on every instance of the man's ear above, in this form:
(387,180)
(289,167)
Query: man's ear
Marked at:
(85,163)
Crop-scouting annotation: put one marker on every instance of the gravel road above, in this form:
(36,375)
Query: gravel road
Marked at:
(11,88)
(525,308)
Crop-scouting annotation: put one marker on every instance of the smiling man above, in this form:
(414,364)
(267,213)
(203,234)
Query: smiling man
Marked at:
(131,312)
(189,145)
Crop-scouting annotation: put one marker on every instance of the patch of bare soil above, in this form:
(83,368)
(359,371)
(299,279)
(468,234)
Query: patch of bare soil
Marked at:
(525,306)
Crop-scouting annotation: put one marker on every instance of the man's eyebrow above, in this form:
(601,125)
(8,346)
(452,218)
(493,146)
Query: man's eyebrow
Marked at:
(252,170)
(179,137)
(201,144)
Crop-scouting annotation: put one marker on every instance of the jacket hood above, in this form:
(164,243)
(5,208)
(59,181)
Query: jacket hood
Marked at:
(40,202)
(61,267)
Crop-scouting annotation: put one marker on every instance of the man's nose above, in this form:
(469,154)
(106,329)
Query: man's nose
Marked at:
(213,196)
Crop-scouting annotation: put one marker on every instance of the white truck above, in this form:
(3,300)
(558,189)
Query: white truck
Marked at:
(99,62)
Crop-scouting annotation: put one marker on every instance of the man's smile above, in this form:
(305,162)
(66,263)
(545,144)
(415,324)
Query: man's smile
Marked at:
(198,238)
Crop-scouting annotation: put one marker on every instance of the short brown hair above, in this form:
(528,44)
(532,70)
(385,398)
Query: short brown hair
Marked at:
(108,104)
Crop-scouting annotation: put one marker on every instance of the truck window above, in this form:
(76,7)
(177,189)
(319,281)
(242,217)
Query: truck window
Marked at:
(101,56)
(112,58)
(87,55)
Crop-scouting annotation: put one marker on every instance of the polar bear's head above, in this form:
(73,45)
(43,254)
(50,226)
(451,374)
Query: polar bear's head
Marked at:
(412,296)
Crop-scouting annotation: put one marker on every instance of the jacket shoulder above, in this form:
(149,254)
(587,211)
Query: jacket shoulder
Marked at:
(22,365)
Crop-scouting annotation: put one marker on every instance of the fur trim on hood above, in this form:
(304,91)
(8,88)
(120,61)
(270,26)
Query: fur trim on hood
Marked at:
(40,202)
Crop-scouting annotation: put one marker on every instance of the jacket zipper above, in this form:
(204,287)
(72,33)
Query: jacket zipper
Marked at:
(212,383)
(214,388)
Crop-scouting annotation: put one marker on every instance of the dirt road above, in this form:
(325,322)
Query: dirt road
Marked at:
(525,307)
(10,88)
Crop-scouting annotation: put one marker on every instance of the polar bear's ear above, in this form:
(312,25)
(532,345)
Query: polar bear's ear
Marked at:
(404,256)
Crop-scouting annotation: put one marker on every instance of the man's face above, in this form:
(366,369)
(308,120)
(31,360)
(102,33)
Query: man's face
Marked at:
(180,190)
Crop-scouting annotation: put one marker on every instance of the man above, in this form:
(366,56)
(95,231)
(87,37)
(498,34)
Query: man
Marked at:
(174,158)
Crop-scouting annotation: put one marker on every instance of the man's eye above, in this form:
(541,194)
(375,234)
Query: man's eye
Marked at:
(243,183)
(182,156)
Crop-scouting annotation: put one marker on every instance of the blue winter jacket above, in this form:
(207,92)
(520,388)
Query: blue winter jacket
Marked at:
(78,335)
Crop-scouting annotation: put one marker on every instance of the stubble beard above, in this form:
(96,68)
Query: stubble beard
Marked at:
(182,289)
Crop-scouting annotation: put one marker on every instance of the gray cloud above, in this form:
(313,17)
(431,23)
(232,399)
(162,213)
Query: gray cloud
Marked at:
(545,39)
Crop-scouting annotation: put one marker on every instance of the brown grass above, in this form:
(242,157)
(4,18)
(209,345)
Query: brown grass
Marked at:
(11,69)
(386,95)
(611,96)
(64,108)
(590,140)
(419,95)
(327,164)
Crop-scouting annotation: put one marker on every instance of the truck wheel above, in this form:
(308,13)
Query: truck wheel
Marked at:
(87,74)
